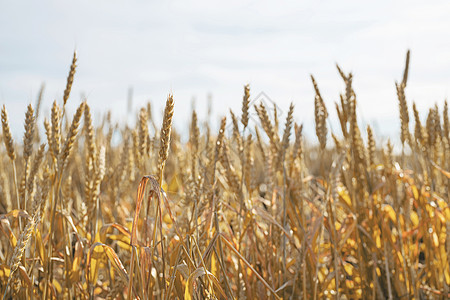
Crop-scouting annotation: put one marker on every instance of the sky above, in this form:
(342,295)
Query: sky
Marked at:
(198,48)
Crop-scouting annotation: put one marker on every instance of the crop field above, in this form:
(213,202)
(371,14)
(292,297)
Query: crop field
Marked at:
(252,211)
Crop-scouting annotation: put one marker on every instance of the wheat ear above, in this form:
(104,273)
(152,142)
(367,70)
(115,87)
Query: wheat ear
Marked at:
(371,146)
(69,83)
(287,130)
(29,133)
(245,106)
(446,122)
(320,115)
(65,152)
(56,129)
(7,137)
(9,144)
(89,131)
(165,136)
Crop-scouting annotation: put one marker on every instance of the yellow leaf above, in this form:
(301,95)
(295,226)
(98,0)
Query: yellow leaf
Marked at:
(120,237)
(343,194)
(400,257)
(214,266)
(124,246)
(440,216)
(57,286)
(291,263)
(184,270)
(75,274)
(321,276)
(94,260)
(248,219)
(447,214)
(167,219)
(435,239)
(414,218)
(6,227)
(189,290)
(442,204)
(98,291)
(4,271)
(390,213)
(350,284)
(402,220)
(173,185)
(40,245)
(93,265)
(337,225)
(378,241)
(348,268)
(415,192)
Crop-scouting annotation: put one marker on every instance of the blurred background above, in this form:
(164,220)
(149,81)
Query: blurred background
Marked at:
(209,49)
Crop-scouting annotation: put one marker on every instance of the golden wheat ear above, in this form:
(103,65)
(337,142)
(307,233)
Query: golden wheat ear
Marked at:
(143,132)
(89,132)
(30,122)
(165,136)
(70,77)
(73,130)
(320,116)
(7,137)
(245,106)
(446,122)
(287,129)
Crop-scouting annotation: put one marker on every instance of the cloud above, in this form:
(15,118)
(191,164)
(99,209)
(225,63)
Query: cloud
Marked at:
(197,47)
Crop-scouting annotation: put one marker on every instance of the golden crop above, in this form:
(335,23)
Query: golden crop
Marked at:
(253,213)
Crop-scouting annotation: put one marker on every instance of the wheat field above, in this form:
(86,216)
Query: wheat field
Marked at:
(249,212)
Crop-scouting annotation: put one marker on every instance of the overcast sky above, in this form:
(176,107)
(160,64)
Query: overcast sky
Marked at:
(193,48)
